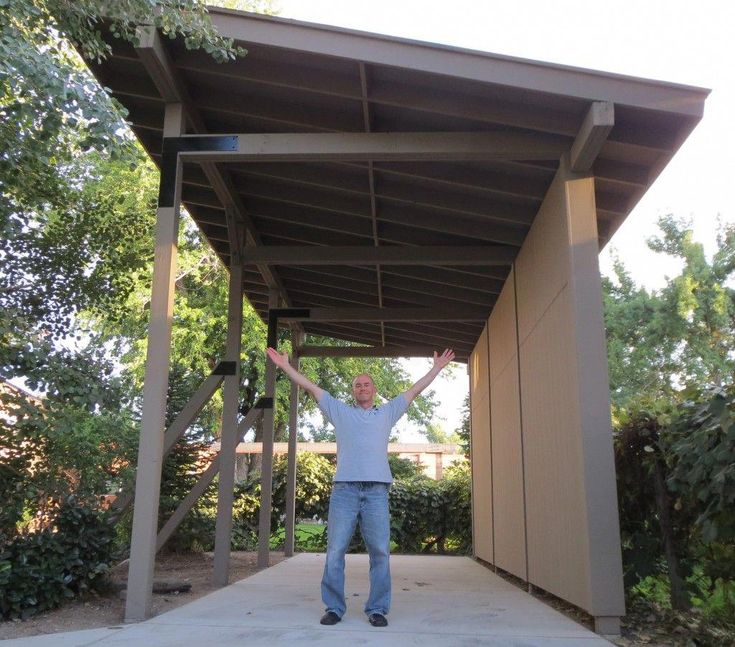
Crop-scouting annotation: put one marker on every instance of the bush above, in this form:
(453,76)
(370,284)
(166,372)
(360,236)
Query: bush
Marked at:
(38,571)
(675,466)
(432,516)
(403,468)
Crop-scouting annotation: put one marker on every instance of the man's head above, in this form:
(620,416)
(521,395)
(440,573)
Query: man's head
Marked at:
(363,390)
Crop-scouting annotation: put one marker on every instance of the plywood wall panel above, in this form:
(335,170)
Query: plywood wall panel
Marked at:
(480,444)
(573,547)
(542,266)
(502,329)
(556,513)
(509,517)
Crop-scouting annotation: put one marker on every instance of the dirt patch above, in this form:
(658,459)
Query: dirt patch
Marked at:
(107,609)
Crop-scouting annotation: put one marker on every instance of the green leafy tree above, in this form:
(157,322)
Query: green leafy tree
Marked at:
(463,431)
(661,341)
(435,433)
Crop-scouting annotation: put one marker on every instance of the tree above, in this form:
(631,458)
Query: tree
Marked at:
(463,431)
(435,433)
(662,341)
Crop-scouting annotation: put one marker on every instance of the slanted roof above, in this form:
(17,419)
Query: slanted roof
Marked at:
(305,78)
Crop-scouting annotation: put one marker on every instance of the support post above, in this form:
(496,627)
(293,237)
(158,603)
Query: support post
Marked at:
(288,550)
(228,442)
(266,469)
(150,449)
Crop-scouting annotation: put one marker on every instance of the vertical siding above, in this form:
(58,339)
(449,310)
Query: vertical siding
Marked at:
(509,516)
(482,501)
(571,506)
(545,506)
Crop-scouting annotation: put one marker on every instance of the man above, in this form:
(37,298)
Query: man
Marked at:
(361,483)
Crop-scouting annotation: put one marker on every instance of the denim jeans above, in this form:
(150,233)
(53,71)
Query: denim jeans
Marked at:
(351,502)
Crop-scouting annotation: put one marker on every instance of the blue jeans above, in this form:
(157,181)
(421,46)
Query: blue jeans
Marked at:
(351,502)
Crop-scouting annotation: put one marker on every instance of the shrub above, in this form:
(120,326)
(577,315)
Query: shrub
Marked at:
(432,516)
(39,570)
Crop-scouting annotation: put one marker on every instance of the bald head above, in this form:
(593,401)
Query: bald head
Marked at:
(363,390)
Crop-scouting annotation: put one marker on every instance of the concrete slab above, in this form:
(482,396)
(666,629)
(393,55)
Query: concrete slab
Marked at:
(436,601)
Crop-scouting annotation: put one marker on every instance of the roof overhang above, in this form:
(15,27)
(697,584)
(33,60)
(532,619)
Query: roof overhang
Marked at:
(388,149)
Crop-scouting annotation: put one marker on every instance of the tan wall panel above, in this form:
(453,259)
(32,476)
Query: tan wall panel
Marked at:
(508,508)
(482,503)
(573,536)
(556,512)
(542,266)
(605,559)
(502,324)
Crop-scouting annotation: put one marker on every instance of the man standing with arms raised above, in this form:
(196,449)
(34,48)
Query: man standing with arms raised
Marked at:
(361,483)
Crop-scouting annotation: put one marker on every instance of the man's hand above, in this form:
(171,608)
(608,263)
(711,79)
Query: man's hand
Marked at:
(279,359)
(440,361)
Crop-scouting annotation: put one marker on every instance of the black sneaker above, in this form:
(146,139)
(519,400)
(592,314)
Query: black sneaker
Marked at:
(377,620)
(329,618)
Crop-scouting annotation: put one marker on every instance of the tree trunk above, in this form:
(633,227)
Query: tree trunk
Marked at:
(679,595)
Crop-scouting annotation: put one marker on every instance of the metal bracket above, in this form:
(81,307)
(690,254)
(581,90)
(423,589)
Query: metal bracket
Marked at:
(172,146)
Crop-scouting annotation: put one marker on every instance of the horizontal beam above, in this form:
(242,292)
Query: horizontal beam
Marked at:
(364,255)
(592,135)
(331,448)
(397,147)
(366,351)
(454,313)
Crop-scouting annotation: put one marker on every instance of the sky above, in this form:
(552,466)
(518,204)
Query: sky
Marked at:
(670,40)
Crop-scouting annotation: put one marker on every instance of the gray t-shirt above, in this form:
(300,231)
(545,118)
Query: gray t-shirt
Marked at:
(362,437)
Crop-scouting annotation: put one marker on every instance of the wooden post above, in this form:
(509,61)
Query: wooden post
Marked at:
(288,549)
(266,469)
(150,449)
(228,442)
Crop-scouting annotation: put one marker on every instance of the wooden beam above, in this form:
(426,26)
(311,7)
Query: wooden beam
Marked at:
(458,313)
(364,255)
(592,135)
(331,448)
(366,351)
(432,146)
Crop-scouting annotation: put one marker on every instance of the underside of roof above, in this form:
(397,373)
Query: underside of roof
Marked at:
(302,78)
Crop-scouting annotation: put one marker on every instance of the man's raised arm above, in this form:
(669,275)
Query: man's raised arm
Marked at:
(440,361)
(281,361)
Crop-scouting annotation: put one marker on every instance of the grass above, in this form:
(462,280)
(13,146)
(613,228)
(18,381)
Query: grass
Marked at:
(310,537)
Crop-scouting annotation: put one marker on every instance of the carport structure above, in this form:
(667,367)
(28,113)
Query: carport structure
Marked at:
(408,196)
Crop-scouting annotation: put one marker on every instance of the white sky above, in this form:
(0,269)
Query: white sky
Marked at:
(672,40)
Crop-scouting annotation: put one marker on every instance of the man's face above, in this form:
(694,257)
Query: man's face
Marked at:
(363,390)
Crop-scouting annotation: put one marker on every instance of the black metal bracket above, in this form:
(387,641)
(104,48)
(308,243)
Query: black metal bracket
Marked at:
(172,146)
(274,314)
(263,403)
(225,368)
